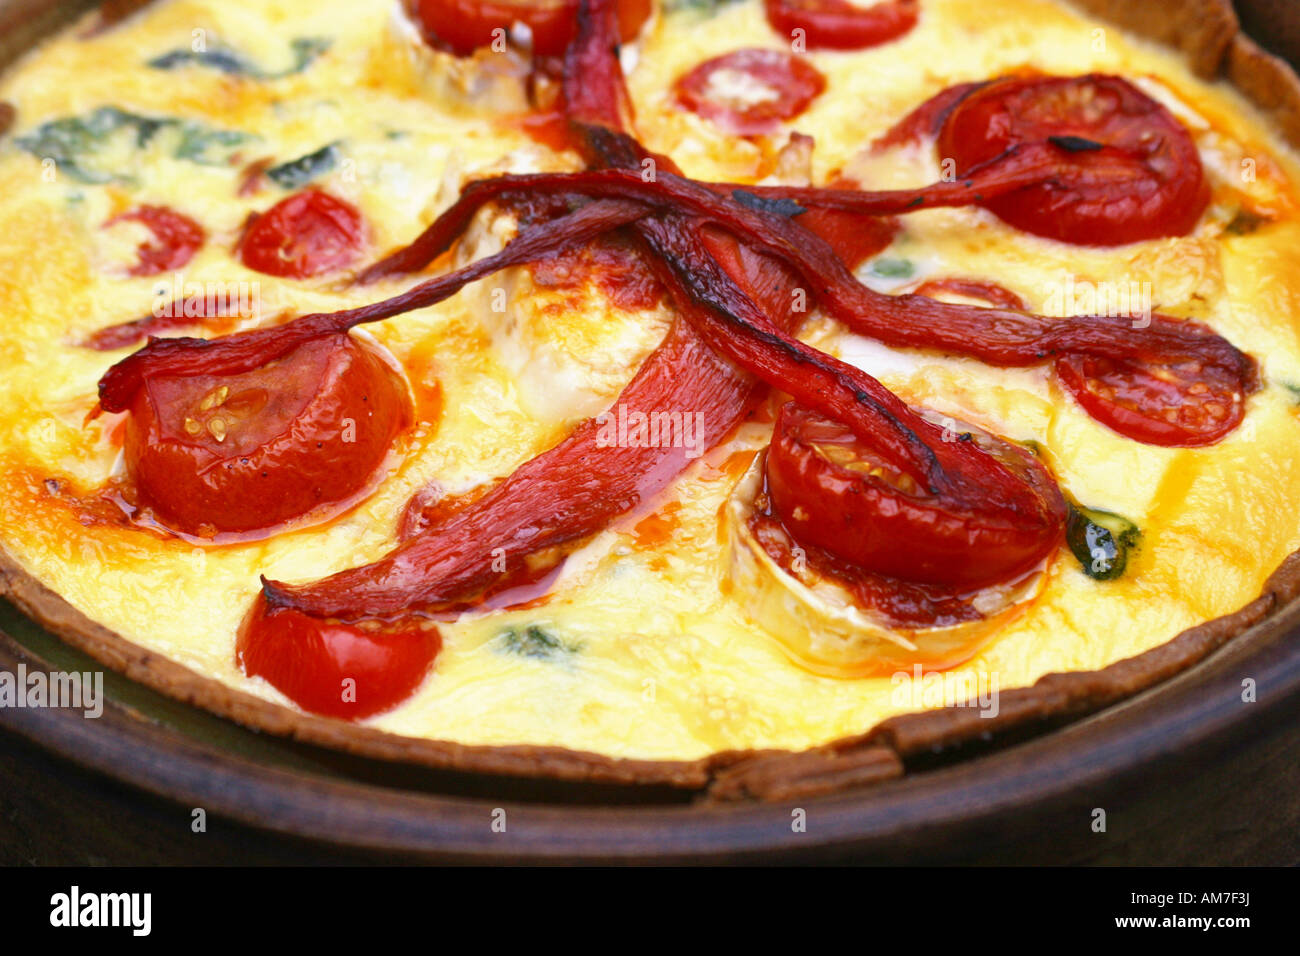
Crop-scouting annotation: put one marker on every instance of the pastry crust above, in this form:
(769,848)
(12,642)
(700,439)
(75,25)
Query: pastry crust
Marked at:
(1268,81)
(1208,33)
(1202,29)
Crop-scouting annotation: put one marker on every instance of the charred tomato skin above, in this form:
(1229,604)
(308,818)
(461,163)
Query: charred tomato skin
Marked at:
(248,453)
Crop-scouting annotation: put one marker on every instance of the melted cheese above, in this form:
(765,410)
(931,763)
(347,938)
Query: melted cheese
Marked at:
(654,656)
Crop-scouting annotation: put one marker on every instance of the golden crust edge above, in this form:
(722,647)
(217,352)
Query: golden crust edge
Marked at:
(1202,30)
(774,775)
(1208,34)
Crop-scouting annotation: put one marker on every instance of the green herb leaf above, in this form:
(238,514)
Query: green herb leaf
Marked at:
(1101,540)
(708,7)
(298,172)
(72,141)
(207,146)
(305,52)
(884,268)
(221,60)
(77,143)
(534,641)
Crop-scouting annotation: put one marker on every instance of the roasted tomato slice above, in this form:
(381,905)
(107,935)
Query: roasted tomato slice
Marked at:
(305,235)
(832,491)
(1128,169)
(1175,405)
(240,455)
(750,92)
(841,25)
(352,671)
(462,26)
(175,239)
(927,119)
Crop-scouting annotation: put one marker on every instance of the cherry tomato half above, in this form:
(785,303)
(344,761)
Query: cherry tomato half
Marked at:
(750,92)
(305,235)
(1128,169)
(832,491)
(840,25)
(1174,405)
(351,671)
(462,26)
(175,239)
(246,454)
(927,119)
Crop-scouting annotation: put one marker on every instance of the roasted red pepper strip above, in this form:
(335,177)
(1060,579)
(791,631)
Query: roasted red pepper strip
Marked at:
(579,486)
(1004,337)
(440,565)
(1025,165)
(563,495)
(990,292)
(1003,516)
(1020,167)
(736,327)
(244,351)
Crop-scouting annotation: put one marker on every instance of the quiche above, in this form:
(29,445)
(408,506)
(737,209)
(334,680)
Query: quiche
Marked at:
(742,395)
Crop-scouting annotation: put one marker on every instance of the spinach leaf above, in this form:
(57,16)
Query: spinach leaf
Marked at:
(72,141)
(534,641)
(884,268)
(76,142)
(305,52)
(708,7)
(221,60)
(298,172)
(1102,541)
(207,146)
